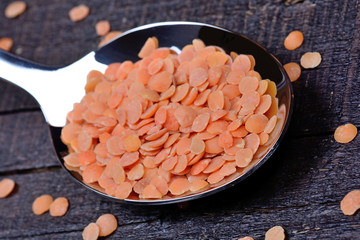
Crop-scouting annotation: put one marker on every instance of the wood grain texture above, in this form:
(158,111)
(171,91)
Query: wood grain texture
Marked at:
(25,142)
(84,207)
(299,188)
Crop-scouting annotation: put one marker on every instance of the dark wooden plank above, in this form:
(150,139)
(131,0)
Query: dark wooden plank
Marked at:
(233,226)
(305,187)
(326,96)
(328,27)
(319,224)
(13,99)
(306,203)
(25,142)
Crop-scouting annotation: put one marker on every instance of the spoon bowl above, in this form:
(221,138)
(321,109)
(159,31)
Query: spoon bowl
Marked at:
(57,89)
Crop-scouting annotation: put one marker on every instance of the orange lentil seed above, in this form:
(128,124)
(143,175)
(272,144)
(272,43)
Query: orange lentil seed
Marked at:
(6,43)
(197,145)
(15,9)
(256,123)
(293,40)
(215,177)
(179,186)
(350,203)
(79,13)
(151,192)
(102,27)
(270,125)
(264,137)
(246,238)
(198,185)
(214,165)
(310,60)
(275,233)
(59,207)
(91,232)
(200,122)
(123,190)
(345,133)
(107,224)
(243,157)
(132,143)
(216,100)
(42,204)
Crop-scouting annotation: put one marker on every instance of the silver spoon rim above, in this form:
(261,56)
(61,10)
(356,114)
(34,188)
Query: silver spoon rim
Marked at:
(231,183)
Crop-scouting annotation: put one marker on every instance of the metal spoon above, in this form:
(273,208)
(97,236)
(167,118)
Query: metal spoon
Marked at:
(57,89)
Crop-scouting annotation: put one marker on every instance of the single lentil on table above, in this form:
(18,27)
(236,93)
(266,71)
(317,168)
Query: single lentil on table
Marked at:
(107,224)
(7,185)
(59,207)
(345,133)
(294,40)
(350,203)
(6,43)
(91,232)
(310,60)
(42,204)
(79,13)
(15,9)
(275,233)
(102,27)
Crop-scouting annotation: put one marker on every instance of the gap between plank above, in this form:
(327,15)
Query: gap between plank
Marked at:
(24,110)
(30,170)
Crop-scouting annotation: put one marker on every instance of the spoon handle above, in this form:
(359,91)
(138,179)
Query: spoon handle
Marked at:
(55,89)
(18,70)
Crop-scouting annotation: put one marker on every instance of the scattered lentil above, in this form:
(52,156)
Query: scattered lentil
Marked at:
(59,207)
(350,203)
(345,133)
(6,43)
(6,187)
(79,13)
(294,40)
(91,232)
(15,9)
(310,60)
(102,27)
(42,204)
(275,233)
(107,224)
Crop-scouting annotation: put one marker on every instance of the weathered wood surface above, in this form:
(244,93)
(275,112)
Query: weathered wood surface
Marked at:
(299,188)
(300,192)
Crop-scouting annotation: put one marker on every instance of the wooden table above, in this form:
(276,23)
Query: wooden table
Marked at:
(300,188)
